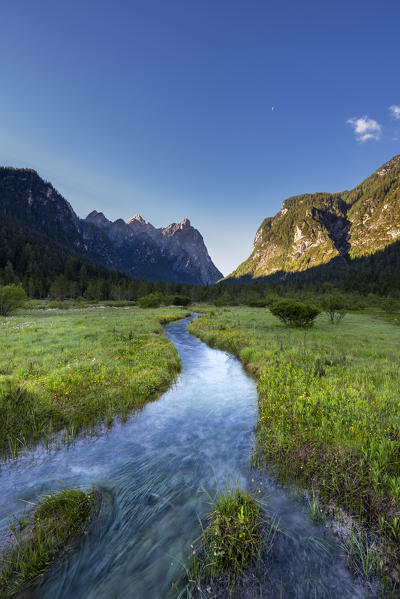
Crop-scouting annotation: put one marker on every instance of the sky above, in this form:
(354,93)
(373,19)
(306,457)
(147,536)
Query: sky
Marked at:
(214,110)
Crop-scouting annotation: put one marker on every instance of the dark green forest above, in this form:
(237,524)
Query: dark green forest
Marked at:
(45,269)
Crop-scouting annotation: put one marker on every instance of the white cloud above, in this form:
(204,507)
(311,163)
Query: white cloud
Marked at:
(395,111)
(365,128)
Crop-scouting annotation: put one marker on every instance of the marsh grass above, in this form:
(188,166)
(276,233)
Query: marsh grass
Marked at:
(68,371)
(233,535)
(361,553)
(41,535)
(236,540)
(329,408)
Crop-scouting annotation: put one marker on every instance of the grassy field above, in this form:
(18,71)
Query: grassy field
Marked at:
(68,370)
(56,522)
(329,408)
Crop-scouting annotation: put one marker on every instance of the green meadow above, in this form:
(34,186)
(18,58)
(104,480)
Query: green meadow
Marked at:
(329,409)
(66,371)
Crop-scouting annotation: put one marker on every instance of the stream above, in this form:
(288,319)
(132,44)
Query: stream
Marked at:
(153,471)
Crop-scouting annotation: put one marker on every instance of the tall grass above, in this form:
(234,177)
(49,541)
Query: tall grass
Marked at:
(329,408)
(70,370)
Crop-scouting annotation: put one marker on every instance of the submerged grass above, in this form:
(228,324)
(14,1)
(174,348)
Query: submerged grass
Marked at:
(56,521)
(329,409)
(70,370)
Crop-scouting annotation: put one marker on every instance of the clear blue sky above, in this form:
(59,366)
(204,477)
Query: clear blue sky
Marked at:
(164,107)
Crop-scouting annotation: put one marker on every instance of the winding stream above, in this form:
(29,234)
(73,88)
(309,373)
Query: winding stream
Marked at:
(152,471)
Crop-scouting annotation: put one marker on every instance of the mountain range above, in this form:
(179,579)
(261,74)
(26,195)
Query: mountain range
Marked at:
(314,230)
(175,253)
(348,238)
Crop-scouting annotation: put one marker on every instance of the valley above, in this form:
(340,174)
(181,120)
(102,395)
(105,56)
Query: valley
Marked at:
(200,300)
(93,389)
(152,472)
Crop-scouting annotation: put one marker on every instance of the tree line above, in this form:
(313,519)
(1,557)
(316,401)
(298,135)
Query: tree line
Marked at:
(45,270)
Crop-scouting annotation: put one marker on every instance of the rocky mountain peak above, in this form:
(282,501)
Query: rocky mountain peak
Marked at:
(97,218)
(173,228)
(137,219)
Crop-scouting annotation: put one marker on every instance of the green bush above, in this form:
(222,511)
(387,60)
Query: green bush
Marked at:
(294,313)
(153,300)
(11,298)
(219,302)
(256,303)
(390,305)
(181,300)
(335,305)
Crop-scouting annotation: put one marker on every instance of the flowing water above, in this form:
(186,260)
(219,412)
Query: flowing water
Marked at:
(152,472)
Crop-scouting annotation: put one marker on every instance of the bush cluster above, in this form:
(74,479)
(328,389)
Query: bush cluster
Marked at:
(294,313)
(11,298)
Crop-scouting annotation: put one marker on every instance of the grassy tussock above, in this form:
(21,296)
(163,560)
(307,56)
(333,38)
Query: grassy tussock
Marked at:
(329,408)
(38,539)
(232,538)
(69,370)
(237,537)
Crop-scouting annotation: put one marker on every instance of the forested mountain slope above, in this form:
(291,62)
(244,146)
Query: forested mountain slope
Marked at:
(176,253)
(311,230)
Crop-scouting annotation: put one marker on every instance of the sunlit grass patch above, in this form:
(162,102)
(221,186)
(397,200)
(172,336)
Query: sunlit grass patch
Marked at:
(38,538)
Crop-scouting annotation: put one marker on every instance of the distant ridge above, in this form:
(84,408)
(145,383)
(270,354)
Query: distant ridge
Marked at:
(176,253)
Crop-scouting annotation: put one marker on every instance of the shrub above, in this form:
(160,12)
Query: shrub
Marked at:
(219,302)
(335,305)
(256,302)
(153,300)
(181,300)
(11,298)
(390,305)
(294,313)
